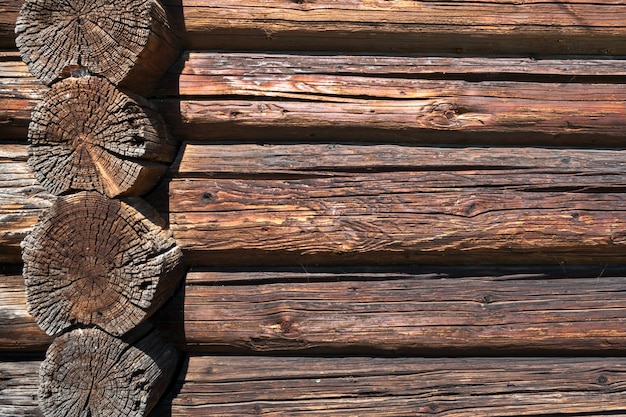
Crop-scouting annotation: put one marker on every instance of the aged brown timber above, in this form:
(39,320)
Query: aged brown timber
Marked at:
(301,386)
(390,203)
(19,93)
(18,391)
(22,200)
(91,260)
(530,27)
(426,310)
(86,135)
(88,372)
(217,96)
(131,43)
(18,330)
(287,386)
(358,98)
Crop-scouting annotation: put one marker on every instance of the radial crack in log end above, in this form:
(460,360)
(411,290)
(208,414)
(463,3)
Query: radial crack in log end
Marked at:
(130,42)
(87,135)
(88,372)
(91,260)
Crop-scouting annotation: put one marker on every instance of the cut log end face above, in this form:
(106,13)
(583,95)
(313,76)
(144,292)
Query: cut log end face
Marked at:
(104,37)
(87,135)
(90,373)
(91,260)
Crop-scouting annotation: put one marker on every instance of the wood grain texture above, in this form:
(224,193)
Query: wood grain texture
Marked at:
(530,27)
(9,10)
(390,203)
(87,135)
(433,311)
(95,261)
(22,200)
(18,388)
(88,372)
(130,43)
(359,98)
(18,330)
(365,386)
(313,97)
(19,93)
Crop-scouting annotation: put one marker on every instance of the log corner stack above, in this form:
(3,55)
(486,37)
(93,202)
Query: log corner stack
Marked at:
(99,262)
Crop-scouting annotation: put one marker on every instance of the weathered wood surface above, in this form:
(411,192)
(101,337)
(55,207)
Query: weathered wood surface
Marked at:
(390,203)
(554,309)
(288,96)
(129,42)
(87,135)
(18,388)
(299,386)
(18,330)
(417,312)
(365,386)
(19,93)
(22,200)
(9,10)
(95,261)
(529,27)
(88,372)
(275,96)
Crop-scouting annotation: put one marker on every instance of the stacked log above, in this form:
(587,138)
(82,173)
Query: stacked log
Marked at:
(96,267)
(460,141)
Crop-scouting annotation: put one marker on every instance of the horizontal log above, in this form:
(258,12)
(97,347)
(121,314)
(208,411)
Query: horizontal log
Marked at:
(426,310)
(18,388)
(359,97)
(423,311)
(22,200)
(382,203)
(298,386)
(247,96)
(18,329)
(9,9)
(529,27)
(288,386)
(19,94)
(389,203)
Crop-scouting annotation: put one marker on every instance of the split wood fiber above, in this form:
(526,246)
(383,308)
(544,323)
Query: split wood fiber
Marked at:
(129,42)
(561,309)
(18,330)
(88,372)
(365,386)
(322,386)
(85,134)
(390,203)
(91,260)
(22,200)
(422,311)
(530,27)
(370,98)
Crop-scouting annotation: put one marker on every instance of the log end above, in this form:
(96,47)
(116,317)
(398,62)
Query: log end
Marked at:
(95,261)
(115,39)
(88,135)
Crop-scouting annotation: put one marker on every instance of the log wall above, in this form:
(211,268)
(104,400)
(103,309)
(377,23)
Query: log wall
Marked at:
(385,209)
